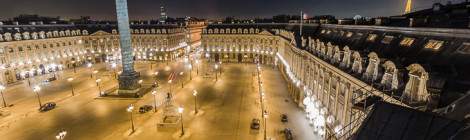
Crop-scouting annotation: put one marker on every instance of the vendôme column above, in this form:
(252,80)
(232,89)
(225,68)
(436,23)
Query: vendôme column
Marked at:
(128,85)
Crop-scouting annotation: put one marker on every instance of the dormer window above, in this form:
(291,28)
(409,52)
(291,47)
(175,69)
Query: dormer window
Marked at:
(465,48)
(328,32)
(434,44)
(349,34)
(387,39)
(407,42)
(371,37)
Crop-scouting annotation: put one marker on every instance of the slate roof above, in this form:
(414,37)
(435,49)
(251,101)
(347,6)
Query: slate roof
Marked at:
(392,122)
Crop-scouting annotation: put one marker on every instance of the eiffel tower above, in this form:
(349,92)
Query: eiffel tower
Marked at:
(408,6)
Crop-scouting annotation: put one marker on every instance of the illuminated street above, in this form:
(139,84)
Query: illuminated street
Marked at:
(232,101)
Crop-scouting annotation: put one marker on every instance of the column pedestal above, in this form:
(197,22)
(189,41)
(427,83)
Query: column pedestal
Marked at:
(128,85)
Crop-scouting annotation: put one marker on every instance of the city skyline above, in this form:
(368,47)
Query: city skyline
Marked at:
(210,9)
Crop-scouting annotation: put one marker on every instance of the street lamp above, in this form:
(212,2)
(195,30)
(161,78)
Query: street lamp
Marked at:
(1,91)
(197,67)
(216,66)
(89,65)
(190,71)
(195,101)
(73,64)
(220,70)
(61,135)
(71,85)
(154,93)
(180,110)
(99,87)
(130,108)
(265,116)
(182,79)
(36,90)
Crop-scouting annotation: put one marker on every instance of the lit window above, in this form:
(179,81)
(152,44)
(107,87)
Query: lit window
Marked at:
(407,41)
(434,44)
(372,37)
(322,31)
(465,48)
(328,32)
(387,39)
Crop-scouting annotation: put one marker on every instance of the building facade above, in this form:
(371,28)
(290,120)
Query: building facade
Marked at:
(32,50)
(336,73)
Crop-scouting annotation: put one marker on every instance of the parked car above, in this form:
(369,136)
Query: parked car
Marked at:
(255,124)
(288,134)
(47,106)
(50,79)
(284,118)
(145,108)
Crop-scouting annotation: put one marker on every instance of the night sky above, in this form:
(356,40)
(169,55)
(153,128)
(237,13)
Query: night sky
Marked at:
(149,9)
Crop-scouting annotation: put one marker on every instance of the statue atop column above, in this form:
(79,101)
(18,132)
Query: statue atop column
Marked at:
(128,79)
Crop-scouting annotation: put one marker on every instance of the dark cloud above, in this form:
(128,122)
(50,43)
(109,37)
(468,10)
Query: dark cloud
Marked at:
(149,9)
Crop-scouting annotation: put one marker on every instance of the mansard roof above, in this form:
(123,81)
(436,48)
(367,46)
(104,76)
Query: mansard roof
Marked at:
(89,27)
(391,122)
(109,27)
(34,28)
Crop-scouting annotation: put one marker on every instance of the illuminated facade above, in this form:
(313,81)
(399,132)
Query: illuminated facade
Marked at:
(336,73)
(29,50)
(239,44)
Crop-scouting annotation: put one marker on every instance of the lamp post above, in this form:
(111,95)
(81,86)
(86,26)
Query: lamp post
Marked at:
(36,90)
(99,87)
(195,101)
(3,98)
(220,69)
(61,135)
(216,66)
(90,65)
(180,110)
(197,67)
(154,93)
(70,80)
(265,116)
(73,65)
(190,71)
(130,108)
(182,79)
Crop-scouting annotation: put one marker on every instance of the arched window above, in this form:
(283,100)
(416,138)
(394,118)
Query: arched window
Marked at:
(415,89)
